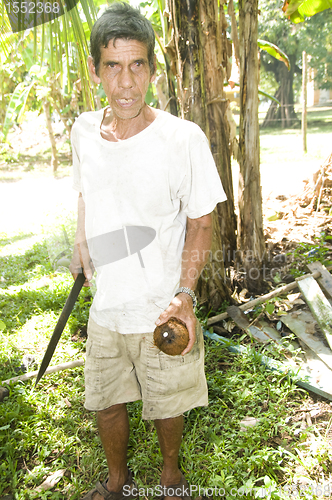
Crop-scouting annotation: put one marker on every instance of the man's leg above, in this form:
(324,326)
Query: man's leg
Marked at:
(169,432)
(113,426)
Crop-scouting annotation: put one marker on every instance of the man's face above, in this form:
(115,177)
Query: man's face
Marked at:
(125,76)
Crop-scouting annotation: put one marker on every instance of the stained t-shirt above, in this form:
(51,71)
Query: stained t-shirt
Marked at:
(138,194)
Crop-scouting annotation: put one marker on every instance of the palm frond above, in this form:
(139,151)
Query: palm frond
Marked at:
(60,36)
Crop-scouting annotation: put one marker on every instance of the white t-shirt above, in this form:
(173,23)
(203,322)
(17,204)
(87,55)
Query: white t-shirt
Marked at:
(138,194)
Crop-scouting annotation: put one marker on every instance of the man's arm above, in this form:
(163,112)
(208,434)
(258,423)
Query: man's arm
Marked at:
(194,257)
(81,257)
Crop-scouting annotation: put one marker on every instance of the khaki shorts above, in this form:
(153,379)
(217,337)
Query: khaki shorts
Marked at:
(122,368)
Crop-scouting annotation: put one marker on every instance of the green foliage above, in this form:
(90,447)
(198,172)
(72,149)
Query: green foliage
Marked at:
(60,49)
(298,10)
(12,72)
(305,253)
(274,51)
(313,36)
(275,28)
(16,106)
(319,43)
(7,155)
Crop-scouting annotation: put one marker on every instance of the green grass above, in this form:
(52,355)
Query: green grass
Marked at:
(47,429)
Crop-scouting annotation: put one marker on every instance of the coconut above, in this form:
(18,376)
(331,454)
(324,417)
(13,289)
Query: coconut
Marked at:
(171,337)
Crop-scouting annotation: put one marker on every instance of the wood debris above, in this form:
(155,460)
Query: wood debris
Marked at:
(51,481)
(313,362)
(306,214)
(325,279)
(319,306)
(304,327)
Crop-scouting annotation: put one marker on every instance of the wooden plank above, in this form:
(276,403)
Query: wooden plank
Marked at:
(303,326)
(301,378)
(319,306)
(240,319)
(271,332)
(316,368)
(289,345)
(325,280)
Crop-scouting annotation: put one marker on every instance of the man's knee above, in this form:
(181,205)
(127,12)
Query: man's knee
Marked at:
(113,411)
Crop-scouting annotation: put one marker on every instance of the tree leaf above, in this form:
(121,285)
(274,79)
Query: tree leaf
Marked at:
(274,51)
(297,10)
(291,6)
(269,308)
(17,102)
(63,36)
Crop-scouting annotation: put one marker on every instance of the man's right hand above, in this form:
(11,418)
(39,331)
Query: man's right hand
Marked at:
(81,261)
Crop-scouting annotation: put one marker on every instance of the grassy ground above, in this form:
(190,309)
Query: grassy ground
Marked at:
(46,430)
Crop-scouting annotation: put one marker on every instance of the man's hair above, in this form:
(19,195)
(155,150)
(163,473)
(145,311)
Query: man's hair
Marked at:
(120,20)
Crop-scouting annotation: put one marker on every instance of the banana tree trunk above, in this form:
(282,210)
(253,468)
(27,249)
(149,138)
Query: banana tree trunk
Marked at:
(188,53)
(250,221)
(217,50)
(200,80)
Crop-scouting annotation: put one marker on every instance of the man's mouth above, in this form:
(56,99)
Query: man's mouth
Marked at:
(125,101)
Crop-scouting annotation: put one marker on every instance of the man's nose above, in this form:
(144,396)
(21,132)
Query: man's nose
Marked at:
(126,79)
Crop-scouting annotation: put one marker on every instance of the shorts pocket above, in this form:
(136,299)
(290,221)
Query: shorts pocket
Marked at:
(103,343)
(102,360)
(171,375)
(167,362)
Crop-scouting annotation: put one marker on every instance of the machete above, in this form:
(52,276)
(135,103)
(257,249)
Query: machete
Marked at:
(67,309)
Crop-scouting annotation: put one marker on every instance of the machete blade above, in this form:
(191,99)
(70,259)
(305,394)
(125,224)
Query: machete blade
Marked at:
(67,309)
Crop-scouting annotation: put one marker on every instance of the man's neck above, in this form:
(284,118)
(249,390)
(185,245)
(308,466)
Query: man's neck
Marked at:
(115,129)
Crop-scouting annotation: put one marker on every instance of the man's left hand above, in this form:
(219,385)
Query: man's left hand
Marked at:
(181,307)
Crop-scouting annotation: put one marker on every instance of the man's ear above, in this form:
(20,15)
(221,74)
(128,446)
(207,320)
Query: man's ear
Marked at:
(153,76)
(92,70)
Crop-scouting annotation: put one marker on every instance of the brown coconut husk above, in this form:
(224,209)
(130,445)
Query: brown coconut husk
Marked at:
(171,337)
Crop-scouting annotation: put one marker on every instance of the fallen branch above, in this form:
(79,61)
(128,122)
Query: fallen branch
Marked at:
(263,298)
(51,369)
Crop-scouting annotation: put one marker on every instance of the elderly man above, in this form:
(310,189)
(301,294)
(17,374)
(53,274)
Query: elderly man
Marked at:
(147,186)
